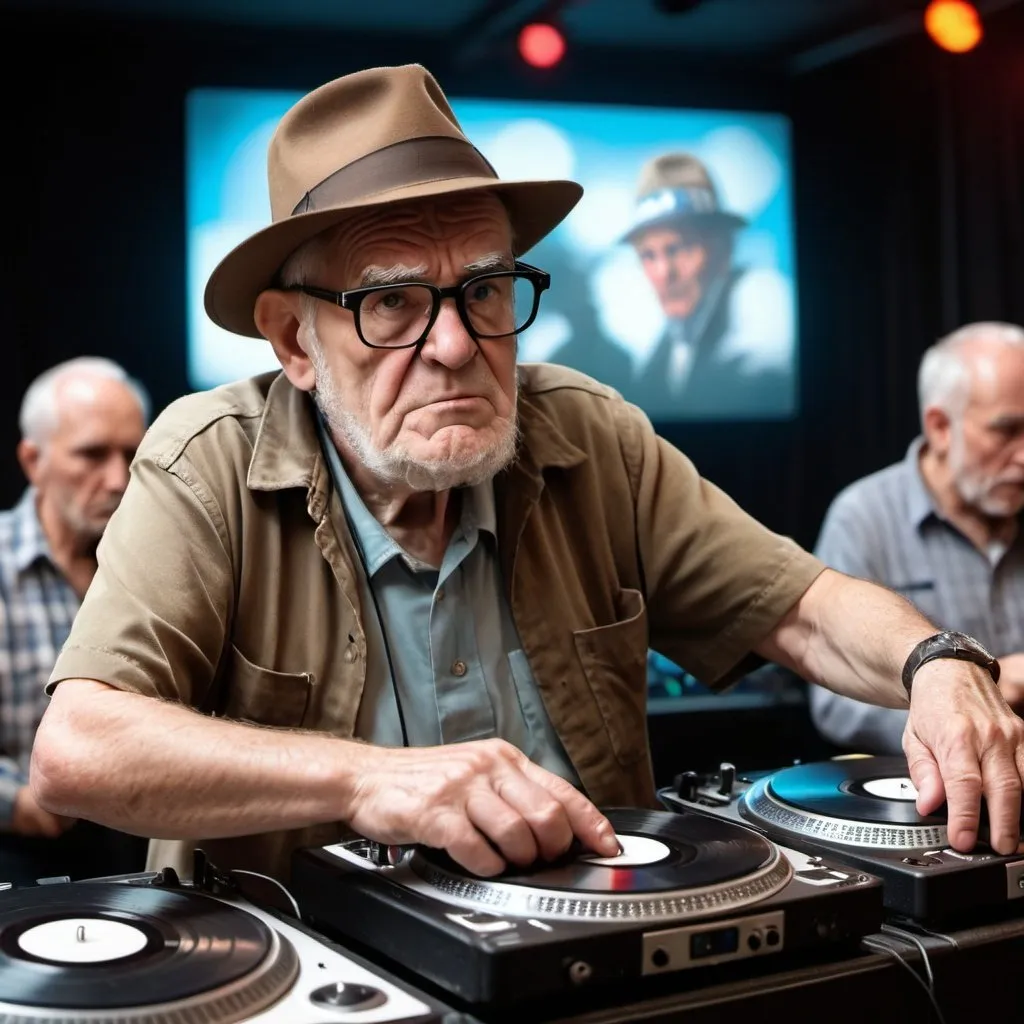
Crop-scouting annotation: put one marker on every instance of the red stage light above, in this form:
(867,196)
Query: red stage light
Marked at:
(541,45)
(953,24)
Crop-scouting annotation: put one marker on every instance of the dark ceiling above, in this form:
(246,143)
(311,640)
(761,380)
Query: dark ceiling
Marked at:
(791,35)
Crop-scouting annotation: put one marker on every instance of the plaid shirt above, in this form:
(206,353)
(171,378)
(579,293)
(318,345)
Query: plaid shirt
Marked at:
(37,607)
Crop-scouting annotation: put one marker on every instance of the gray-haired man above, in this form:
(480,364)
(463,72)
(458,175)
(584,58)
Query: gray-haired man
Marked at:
(942,527)
(81,422)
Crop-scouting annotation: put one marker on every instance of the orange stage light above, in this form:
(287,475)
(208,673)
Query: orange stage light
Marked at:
(541,45)
(953,24)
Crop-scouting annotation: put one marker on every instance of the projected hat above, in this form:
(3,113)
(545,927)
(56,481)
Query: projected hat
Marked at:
(376,137)
(676,187)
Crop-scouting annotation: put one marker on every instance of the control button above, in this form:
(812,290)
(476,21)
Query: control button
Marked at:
(458,668)
(481,922)
(754,941)
(580,972)
(727,778)
(686,785)
(660,957)
(348,996)
(772,937)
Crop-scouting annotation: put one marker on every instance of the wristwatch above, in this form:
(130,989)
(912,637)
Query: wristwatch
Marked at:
(948,644)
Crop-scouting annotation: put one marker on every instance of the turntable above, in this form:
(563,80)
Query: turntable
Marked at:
(132,950)
(862,812)
(687,892)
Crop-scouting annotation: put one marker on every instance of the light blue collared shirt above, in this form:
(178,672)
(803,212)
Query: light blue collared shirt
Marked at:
(888,528)
(459,669)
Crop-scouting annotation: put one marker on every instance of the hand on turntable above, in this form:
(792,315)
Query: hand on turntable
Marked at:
(29,819)
(483,802)
(963,743)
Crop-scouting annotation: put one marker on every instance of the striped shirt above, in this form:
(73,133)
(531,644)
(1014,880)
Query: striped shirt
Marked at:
(887,528)
(37,607)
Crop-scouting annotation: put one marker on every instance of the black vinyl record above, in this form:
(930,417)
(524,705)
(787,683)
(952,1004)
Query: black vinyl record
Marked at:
(192,944)
(869,789)
(699,851)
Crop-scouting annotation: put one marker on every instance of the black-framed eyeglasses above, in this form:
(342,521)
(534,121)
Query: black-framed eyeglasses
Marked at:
(496,304)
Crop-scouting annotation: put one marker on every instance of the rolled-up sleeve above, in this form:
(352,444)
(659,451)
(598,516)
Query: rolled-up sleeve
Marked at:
(718,581)
(154,619)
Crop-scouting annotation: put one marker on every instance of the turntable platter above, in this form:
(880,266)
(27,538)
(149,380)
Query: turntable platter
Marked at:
(863,802)
(673,865)
(875,789)
(81,951)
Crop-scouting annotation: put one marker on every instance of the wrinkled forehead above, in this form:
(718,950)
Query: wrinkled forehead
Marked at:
(96,410)
(418,230)
(996,374)
(667,234)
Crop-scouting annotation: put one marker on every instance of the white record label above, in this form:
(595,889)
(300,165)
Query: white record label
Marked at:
(82,940)
(891,789)
(636,851)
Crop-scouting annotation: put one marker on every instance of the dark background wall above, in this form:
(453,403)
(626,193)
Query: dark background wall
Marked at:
(908,184)
(908,181)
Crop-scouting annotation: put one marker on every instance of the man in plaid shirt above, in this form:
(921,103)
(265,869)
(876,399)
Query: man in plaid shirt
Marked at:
(81,422)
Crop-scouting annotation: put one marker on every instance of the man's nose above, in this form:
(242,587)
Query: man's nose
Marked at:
(449,342)
(115,476)
(665,270)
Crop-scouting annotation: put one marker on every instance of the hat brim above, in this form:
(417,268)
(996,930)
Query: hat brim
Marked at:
(717,220)
(534,207)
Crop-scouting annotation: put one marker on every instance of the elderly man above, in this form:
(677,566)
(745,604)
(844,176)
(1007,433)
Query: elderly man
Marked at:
(702,367)
(418,606)
(942,527)
(81,422)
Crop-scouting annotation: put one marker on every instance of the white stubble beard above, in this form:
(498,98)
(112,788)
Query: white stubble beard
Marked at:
(393,465)
(975,487)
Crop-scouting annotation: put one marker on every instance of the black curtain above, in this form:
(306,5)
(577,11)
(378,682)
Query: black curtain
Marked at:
(909,176)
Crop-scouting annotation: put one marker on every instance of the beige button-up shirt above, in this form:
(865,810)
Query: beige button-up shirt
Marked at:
(227,579)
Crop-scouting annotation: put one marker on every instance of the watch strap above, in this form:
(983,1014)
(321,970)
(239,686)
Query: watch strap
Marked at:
(957,646)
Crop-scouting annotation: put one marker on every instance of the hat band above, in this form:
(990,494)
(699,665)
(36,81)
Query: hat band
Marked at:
(411,162)
(670,203)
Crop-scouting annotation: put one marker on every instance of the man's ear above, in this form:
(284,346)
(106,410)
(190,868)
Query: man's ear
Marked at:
(277,318)
(938,429)
(30,457)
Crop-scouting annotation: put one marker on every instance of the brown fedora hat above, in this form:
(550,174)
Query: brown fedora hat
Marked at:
(369,139)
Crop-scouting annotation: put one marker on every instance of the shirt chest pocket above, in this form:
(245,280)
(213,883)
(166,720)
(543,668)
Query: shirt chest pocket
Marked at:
(614,661)
(262,695)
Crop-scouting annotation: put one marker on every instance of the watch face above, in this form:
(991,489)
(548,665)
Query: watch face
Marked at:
(966,642)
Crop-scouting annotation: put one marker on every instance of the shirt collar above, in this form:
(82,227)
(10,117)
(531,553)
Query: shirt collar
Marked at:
(920,502)
(29,543)
(376,546)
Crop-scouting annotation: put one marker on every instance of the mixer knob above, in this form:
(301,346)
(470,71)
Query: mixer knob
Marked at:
(348,996)
(727,778)
(687,785)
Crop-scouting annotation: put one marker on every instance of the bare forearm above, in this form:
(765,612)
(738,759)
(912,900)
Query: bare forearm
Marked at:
(159,769)
(851,636)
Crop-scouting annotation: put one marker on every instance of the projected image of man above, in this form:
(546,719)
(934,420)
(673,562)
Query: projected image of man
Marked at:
(700,368)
